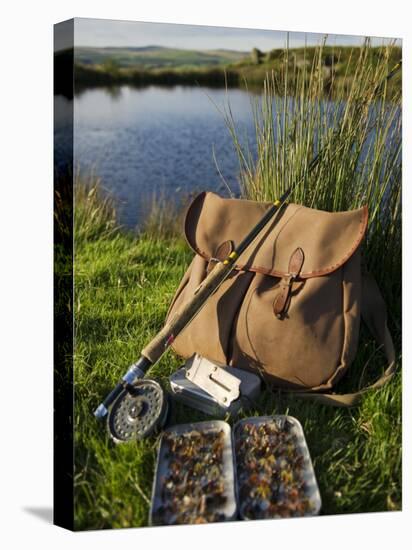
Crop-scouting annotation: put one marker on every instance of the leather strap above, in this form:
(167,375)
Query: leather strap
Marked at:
(373,312)
(280,305)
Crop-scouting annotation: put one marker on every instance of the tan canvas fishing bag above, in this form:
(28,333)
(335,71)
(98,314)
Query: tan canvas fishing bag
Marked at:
(291,309)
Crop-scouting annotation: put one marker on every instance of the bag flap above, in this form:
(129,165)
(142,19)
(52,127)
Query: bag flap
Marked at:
(327,239)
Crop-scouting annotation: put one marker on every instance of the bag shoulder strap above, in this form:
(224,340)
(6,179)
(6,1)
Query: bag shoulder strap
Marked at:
(373,312)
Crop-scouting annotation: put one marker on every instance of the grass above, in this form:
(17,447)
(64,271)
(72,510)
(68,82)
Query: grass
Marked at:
(124,283)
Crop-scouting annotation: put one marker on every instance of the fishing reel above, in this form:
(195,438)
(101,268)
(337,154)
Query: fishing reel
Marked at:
(140,410)
(136,407)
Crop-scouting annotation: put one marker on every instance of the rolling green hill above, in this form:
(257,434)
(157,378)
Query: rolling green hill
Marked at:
(153,57)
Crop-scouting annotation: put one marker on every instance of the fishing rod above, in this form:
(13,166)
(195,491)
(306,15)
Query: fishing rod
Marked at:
(171,330)
(164,339)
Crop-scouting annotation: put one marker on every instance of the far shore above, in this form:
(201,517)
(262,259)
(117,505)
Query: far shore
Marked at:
(337,65)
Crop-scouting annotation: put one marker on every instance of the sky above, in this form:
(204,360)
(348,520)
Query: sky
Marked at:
(103,32)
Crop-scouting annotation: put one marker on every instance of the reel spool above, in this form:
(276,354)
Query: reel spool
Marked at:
(138,411)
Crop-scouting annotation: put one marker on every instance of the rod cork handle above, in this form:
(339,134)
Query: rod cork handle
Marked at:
(165,338)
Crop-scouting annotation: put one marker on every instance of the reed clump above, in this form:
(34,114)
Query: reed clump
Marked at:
(164,219)
(94,209)
(95,213)
(357,129)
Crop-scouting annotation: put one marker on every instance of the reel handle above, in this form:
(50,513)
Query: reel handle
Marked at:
(135,372)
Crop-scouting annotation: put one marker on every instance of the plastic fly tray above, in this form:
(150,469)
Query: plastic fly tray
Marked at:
(275,476)
(194,477)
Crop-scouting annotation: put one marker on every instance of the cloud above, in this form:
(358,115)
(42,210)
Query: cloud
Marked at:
(106,32)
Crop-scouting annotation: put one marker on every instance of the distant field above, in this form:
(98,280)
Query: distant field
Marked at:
(155,57)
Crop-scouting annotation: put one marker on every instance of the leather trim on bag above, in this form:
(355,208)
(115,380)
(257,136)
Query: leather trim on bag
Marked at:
(193,230)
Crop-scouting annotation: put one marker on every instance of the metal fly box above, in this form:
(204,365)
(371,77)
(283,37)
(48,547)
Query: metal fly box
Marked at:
(213,389)
(194,479)
(275,475)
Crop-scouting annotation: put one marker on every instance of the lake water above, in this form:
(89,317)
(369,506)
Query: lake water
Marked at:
(158,141)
